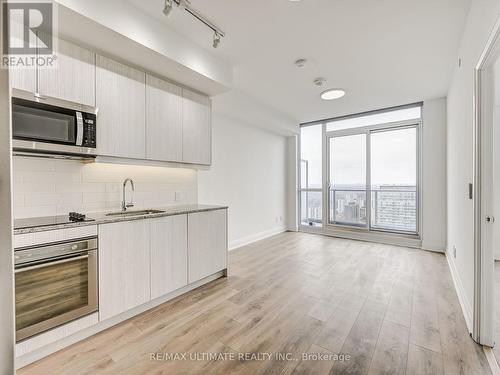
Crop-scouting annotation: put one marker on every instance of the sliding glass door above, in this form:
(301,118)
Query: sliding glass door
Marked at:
(394,179)
(372,178)
(361,172)
(347,180)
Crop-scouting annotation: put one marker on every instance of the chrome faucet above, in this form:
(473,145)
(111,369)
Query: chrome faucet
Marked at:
(126,205)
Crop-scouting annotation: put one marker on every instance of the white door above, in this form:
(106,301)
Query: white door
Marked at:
(486,167)
(168,254)
(120,97)
(124,267)
(207,244)
(163,120)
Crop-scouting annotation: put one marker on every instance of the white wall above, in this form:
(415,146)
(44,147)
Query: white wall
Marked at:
(249,175)
(44,187)
(482,16)
(434,175)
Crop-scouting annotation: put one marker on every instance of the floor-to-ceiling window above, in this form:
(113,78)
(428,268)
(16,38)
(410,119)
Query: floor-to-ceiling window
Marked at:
(362,171)
(311,175)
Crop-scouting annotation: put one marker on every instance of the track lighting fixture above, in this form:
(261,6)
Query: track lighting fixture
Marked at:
(182,4)
(167,9)
(186,5)
(216,39)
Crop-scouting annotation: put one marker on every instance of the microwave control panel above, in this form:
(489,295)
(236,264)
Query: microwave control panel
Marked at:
(89,130)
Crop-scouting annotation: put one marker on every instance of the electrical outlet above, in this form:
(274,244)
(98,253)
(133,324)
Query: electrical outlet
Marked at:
(454,251)
(178,196)
(281,219)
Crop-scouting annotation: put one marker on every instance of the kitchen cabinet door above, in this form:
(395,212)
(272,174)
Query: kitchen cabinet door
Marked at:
(207,244)
(73,78)
(23,78)
(124,267)
(168,254)
(120,97)
(163,120)
(196,128)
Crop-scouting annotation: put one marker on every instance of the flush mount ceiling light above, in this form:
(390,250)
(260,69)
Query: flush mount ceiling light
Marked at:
(332,94)
(186,5)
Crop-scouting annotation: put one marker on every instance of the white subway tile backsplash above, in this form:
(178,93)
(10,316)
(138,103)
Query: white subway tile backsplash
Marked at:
(44,187)
(35,187)
(83,187)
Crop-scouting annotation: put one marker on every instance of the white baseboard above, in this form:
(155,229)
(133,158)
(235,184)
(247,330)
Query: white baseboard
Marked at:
(462,297)
(436,247)
(235,244)
(490,356)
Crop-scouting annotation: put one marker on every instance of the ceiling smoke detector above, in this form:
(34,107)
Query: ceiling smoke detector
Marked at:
(320,81)
(300,63)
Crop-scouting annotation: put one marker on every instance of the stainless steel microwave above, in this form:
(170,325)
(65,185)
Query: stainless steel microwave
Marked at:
(52,127)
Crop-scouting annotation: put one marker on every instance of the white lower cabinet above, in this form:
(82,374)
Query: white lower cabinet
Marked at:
(168,254)
(207,244)
(142,260)
(124,267)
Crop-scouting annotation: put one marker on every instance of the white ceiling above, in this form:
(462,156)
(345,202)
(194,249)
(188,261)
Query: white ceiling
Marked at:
(382,52)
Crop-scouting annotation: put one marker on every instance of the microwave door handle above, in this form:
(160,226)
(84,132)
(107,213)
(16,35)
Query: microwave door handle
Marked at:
(38,266)
(79,128)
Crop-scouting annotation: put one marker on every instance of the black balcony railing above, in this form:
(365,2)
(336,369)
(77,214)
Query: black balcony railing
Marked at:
(391,208)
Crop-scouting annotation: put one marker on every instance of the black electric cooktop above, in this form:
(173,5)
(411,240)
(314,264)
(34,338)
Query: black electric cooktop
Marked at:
(34,222)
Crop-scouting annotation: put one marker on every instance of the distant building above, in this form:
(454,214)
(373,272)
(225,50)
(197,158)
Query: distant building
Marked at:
(395,207)
(351,212)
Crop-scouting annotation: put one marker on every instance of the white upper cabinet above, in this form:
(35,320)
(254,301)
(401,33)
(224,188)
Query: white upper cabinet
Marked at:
(196,127)
(163,120)
(120,97)
(73,78)
(207,244)
(23,78)
(168,254)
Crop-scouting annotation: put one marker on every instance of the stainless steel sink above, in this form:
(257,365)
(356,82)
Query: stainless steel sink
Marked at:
(135,213)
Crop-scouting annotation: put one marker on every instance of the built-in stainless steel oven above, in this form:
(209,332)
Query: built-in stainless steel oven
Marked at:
(50,126)
(54,284)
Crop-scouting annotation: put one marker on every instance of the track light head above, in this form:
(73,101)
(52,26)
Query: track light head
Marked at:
(167,10)
(216,39)
(182,4)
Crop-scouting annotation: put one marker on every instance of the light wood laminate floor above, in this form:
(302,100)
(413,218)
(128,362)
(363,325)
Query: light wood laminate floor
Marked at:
(393,310)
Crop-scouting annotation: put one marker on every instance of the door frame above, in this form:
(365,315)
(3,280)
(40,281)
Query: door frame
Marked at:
(339,134)
(483,106)
(368,130)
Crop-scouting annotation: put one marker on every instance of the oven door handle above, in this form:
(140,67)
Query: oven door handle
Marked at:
(38,266)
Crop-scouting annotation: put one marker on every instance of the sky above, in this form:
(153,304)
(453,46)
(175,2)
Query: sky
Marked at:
(393,157)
